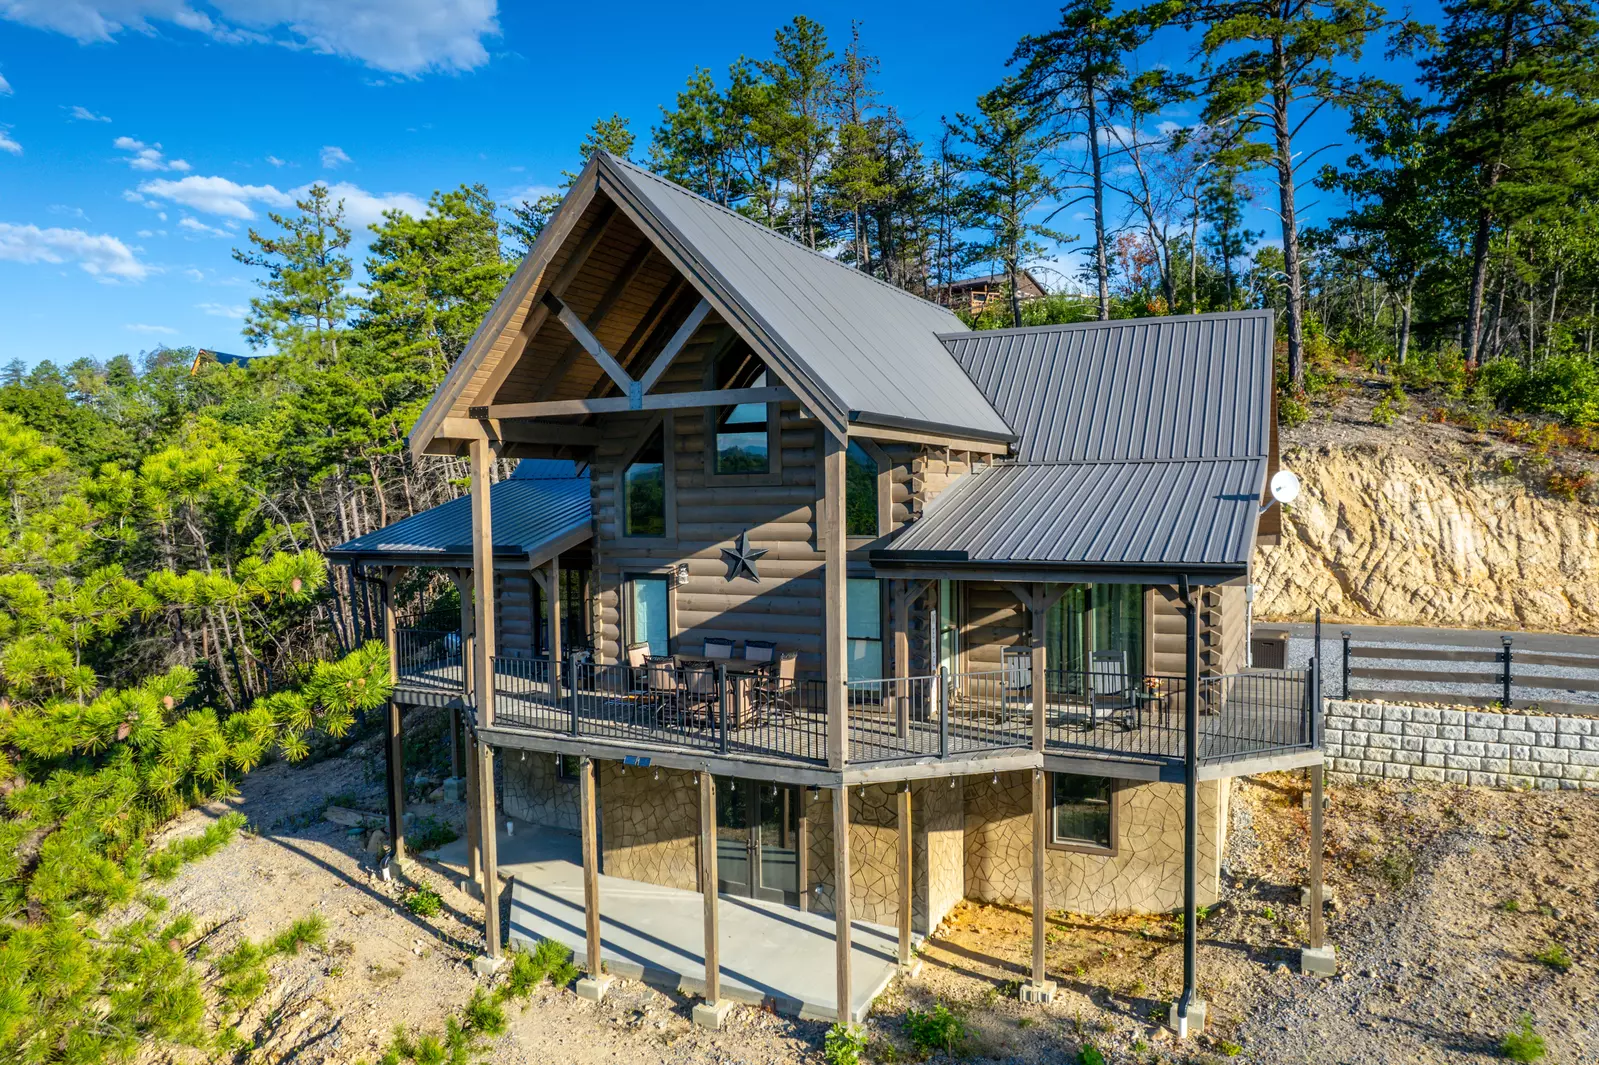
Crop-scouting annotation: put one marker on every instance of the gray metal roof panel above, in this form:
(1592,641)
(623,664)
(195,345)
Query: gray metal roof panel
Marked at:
(526,513)
(1193,512)
(872,345)
(1190,386)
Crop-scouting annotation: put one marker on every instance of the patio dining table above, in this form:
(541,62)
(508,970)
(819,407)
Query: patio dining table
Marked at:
(741,677)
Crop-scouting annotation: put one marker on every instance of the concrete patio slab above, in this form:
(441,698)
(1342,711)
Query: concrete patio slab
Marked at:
(771,954)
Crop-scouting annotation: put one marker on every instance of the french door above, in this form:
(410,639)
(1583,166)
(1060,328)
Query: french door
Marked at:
(757,839)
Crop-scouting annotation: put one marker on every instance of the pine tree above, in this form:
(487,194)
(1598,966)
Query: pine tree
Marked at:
(697,142)
(1008,182)
(306,298)
(802,88)
(528,218)
(856,176)
(1269,66)
(1518,88)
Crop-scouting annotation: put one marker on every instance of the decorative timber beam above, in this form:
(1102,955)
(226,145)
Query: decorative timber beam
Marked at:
(590,342)
(618,288)
(719,397)
(674,345)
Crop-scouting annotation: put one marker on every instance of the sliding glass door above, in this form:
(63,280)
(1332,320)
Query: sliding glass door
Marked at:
(1089,618)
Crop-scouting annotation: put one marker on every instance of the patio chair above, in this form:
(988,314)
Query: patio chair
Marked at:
(698,694)
(759,651)
(662,687)
(777,691)
(1111,696)
(717,648)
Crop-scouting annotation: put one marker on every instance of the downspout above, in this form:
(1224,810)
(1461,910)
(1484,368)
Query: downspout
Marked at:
(1190,810)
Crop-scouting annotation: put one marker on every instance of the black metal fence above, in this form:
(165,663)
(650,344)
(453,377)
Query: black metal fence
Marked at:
(1474,675)
(429,658)
(938,715)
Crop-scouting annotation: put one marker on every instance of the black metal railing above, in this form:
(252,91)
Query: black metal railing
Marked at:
(428,658)
(1143,716)
(722,709)
(938,715)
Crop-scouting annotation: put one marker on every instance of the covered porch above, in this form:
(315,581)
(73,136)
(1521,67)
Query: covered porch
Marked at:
(772,955)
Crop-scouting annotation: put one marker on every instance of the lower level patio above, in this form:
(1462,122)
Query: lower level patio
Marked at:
(772,955)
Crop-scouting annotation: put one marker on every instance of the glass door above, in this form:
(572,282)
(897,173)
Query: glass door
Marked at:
(733,864)
(777,842)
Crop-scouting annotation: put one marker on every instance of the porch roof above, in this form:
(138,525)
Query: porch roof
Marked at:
(543,508)
(1047,520)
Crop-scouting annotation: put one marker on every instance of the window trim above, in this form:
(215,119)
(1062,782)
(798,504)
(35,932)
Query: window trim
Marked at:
(667,425)
(774,434)
(626,596)
(1051,843)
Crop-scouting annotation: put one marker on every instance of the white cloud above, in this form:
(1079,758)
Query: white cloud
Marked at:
(5,86)
(274,160)
(145,234)
(230,199)
(69,211)
(333,157)
(140,327)
(98,254)
(147,156)
(197,226)
(408,37)
(7,144)
(83,114)
(223,310)
(216,195)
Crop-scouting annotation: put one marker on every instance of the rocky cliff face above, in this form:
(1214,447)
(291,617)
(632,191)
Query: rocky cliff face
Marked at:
(1384,534)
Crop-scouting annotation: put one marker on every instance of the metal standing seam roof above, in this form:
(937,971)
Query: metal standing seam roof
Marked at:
(541,503)
(1142,442)
(874,347)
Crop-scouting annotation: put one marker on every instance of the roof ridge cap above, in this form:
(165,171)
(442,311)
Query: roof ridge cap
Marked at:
(768,230)
(1110,323)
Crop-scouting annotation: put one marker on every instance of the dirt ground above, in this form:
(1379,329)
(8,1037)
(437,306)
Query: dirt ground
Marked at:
(1441,898)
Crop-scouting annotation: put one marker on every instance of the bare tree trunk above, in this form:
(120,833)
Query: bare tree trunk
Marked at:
(1101,260)
(1404,320)
(1281,95)
(1479,278)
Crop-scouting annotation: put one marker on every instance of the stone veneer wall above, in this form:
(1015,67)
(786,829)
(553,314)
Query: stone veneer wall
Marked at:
(937,852)
(532,790)
(1144,875)
(649,829)
(1392,741)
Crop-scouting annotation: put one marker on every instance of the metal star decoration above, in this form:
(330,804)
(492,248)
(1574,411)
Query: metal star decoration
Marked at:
(741,558)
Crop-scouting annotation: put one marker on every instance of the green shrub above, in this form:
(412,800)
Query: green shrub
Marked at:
(1291,413)
(310,931)
(937,1029)
(1521,1043)
(1089,1054)
(424,901)
(1556,956)
(549,960)
(843,1045)
(483,1014)
(429,833)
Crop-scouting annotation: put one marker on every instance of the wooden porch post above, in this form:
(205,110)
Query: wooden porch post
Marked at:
(835,645)
(394,763)
(711,1012)
(841,900)
(482,458)
(1320,957)
(907,897)
(802,846)
(466,752)
(1039,601)
(593,986)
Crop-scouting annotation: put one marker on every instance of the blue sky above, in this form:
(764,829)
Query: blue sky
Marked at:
(140,139)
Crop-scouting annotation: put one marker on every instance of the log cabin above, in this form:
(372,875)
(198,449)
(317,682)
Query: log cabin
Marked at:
(802,594)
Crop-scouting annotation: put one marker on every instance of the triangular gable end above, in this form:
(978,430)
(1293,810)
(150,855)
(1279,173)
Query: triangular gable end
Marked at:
(622,288)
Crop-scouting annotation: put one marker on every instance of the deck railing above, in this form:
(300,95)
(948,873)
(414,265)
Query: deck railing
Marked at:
(949,715)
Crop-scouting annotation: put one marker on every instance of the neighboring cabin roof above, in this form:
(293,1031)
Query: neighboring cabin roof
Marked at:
(542,508)
(872,347)
(221,358)
(961,284)
(1144,445)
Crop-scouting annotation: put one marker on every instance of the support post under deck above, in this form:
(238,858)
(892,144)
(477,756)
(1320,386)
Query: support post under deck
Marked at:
(841,901)
(907,894)
(593,986)
(713,1011)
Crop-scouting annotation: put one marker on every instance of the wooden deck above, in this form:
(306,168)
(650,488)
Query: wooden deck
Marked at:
(1247,716)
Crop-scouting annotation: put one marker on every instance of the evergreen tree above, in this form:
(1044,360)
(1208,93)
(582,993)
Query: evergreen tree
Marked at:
(856,178)
(528,218)
(1008,183)
(1270,66)
(1518,87)
(307,297)
(697,142)
(801,76)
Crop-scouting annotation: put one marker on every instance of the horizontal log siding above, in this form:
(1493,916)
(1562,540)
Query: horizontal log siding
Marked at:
(513,615)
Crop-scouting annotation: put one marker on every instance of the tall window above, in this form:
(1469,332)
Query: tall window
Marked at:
(860,492)
(863,628)
(1096,617)
(644,490)
(1082,812)
(949,626)
(742,436)
(646,613)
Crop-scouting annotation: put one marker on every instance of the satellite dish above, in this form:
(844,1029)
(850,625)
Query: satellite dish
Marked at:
(1284,487)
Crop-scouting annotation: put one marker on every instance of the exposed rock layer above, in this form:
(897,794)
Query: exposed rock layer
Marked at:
(1384,535)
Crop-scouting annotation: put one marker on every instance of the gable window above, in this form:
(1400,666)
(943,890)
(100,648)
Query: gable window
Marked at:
(644,490)
(1082,812)
(743,436)
(860,492)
